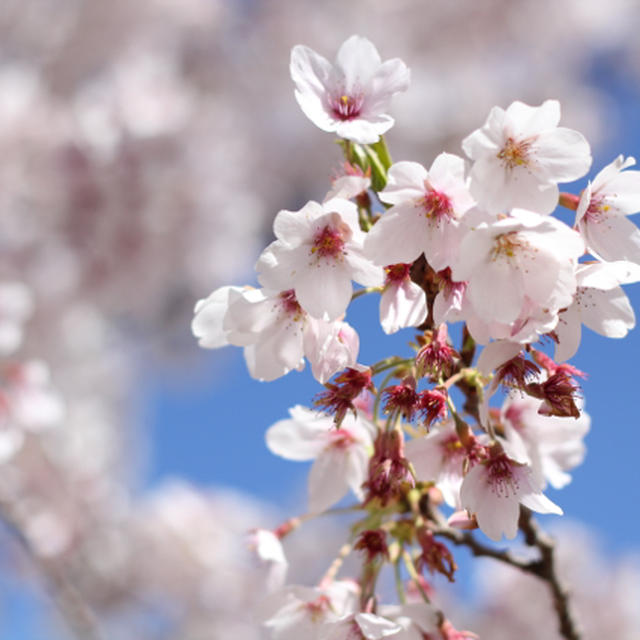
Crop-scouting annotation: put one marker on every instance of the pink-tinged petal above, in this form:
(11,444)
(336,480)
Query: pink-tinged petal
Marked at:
(489,138)
(324,291)
(357,468)
(358,59)
(613,238)
(294,227)
(390,78)
(328,479)
(569,333)
(364,131)
(402,306)
(539,503)
(207,324)
(263,365)
(279,264)
(347,210)
(622,193)
(363,270)
(445,166)
(375,627)
(302,437)
(348,187)
(405,181)
(397,237)
(608,313)
(310,73)
(528,120)
(607,275)
(330,347)
(496,354)
(498,295)
(562,155)
(497,514)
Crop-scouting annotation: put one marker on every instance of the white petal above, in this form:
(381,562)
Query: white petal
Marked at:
(302,437)
(328,479)
(402,306)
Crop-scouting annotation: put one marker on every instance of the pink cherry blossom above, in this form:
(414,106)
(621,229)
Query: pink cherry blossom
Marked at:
(275,331)
(553,445)
(305,612)
(403,303)
(363,625)
(602,210)
(425,218)
(351,97)
(438,457)
(318,252)
(599,303)
(524,256)
(493,491)
(340,455)
(520,155)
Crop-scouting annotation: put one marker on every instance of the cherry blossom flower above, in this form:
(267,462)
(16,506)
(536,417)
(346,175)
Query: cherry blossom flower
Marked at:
(270,558)
(438,457)
(554,445)
(363,625)
(317,253)
(602,210)
(415,618)
(599,303)
(403,303)
(525,256)
(340,455)
(425,218)
(304,612)
(520,155)
(351,97)
(493,491)
(275,331)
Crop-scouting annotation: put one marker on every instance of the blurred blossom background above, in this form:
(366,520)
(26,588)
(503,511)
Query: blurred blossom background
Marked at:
(145,148)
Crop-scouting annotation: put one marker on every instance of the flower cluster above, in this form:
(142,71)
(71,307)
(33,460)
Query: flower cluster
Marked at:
(469,240)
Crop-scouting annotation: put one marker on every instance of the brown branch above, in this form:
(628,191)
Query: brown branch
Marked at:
(545,569)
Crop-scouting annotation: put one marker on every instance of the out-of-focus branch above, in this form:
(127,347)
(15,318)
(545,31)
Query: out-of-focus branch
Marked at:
(545,569)
(70,604)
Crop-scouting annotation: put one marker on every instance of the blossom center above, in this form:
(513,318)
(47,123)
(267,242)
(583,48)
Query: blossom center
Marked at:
(507,245)
(515,153)
(597,209)
(318,608)
(328,242)
(436,205)
(395,273)
(346,107)
(501,478)
(341,439)
(290,304)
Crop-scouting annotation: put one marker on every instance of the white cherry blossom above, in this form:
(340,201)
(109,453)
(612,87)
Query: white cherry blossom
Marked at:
(493,491)
(340,455)
(554,445)
(362,625)
(352,96)
(438,457)
(415,618)
(318,252)
(602,210)
(304,612)
(403,303)
(599,303)
(425,218)
(275,331)
(524,256)
(520,155)
(271,562)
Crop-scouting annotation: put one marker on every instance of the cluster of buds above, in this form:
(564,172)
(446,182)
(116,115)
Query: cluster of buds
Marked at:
(468,240)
